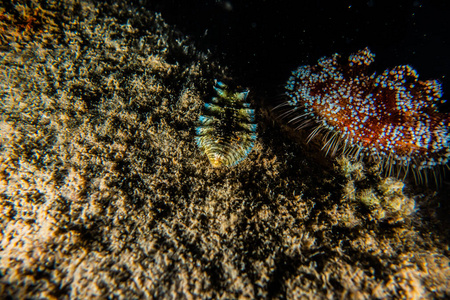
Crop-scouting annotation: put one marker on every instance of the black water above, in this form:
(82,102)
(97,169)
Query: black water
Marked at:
(263,41)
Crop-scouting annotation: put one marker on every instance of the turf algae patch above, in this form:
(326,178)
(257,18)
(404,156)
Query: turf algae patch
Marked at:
(21,20)
(103,192)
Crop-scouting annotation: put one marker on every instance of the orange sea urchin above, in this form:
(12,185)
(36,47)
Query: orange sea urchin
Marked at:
(392,117)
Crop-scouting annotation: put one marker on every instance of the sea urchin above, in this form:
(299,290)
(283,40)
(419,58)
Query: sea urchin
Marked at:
(391,117)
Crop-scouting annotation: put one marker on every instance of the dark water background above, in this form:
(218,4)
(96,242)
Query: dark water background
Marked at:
(263,41)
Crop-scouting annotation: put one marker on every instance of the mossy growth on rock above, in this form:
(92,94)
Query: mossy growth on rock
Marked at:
(104,193)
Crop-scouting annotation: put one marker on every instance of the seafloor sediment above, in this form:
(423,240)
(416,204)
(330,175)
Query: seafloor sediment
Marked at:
(103,193)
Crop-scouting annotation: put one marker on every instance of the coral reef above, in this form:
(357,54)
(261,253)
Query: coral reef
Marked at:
(104,193)
(384,197)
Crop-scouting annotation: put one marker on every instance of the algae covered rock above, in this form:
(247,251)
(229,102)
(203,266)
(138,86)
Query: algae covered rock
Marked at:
(104,193)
